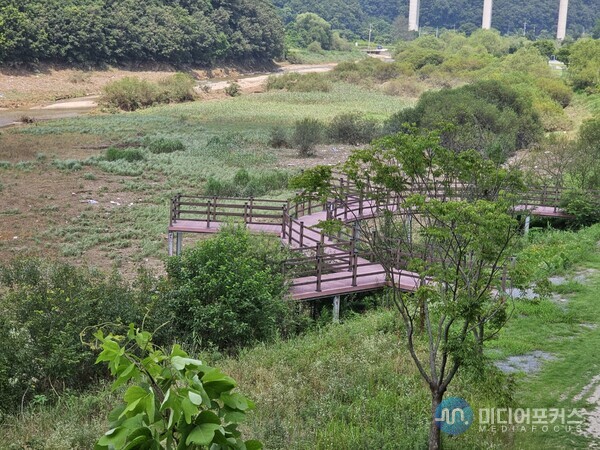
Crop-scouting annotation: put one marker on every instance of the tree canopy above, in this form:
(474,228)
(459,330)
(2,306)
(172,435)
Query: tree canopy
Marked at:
(116,31)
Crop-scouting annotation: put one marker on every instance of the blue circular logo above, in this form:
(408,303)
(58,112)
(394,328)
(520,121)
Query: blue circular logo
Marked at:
(454,416)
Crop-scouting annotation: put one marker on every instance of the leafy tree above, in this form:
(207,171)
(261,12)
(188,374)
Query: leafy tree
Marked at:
(227,292)
(458,248)
(173,401)
(309,28)
(584,65)
(487,116)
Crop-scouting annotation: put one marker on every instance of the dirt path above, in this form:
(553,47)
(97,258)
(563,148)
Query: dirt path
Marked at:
(44,110)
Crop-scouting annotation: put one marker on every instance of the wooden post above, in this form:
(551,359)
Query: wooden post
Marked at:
(179,243)
(170,243)
(354,269)
(246,213)
(290,229)
(251,209)
(410,227)
(527,224)
(301,234)
(336,309)
(208,214)
(309,206)
(283,215)
(319,267)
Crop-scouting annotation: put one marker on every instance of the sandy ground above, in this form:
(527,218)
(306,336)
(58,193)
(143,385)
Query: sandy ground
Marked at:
(591,393)
(56,89)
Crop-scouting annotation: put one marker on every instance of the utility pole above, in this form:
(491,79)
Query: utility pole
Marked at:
(370,33)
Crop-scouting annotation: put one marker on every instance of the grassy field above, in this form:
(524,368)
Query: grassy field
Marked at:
(50,171)
(354,385)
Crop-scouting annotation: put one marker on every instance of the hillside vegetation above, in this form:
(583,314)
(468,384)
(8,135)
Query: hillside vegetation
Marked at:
(354,16)
(118,31)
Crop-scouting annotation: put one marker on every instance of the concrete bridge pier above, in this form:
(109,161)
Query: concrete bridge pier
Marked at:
(487,14)
(414,12)
(563,13)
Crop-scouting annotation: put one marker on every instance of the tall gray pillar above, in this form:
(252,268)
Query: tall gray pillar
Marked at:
(413,15)
(563,12)
(486,24)
(170,243)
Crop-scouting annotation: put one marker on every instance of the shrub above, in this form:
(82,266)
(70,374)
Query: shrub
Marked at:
(68,164)
(45,308)
(246,185)
(177,89)
(233,90)
(127,154)
(130,93)
(353,129)
(279,138)
(297,82)
(315,47)
(583,206)
(307,134)
(557,90)
(164,145)
(227,291)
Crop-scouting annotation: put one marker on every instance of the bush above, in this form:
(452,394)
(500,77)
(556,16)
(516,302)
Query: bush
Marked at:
(315,47)
(297,82)
(130,94)
(246,185)
(164,145)
(233,90)
(583,206)
(279,138)
(177,89)
(45,308)
(228,291)
(127,154)
(307,134)
(353,129)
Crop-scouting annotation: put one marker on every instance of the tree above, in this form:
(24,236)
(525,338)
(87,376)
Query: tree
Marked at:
(455,230)
(227,291)
(173,401)
(309,28)
(584,65)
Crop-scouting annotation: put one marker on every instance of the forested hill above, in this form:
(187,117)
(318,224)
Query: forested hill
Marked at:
(115,31)
(509,15)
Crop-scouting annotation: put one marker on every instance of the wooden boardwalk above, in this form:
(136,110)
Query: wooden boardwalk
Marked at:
(333,266)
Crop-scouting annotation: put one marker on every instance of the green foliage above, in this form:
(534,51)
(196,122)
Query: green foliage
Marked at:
(233,90)
(584,61)
(584,206)
(45,307)
(132,93)
(585,170)
(487,116)
(245,185)
(126,154)
(310,30)
(101,31)
(278,137)
(353,129)
(308,133)
(164,145)
(297,82)
(227,291)
(172,400)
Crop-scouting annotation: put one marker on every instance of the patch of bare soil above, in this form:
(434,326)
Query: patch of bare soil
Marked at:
(591,393)
(38,208)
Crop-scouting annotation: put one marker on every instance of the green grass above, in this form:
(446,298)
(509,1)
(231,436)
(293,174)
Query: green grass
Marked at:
(214,140)
(354,385)
(303,56)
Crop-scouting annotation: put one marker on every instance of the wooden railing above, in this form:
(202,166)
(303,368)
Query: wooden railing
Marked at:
(324,258)
(216,209)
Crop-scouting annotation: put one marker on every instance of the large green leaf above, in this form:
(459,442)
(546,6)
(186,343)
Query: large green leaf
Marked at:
(203,434)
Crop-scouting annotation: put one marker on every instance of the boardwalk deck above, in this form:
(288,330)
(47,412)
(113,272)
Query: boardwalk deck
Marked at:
(344,272)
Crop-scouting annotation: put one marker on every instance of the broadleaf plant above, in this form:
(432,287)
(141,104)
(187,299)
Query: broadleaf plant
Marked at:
(173,401)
